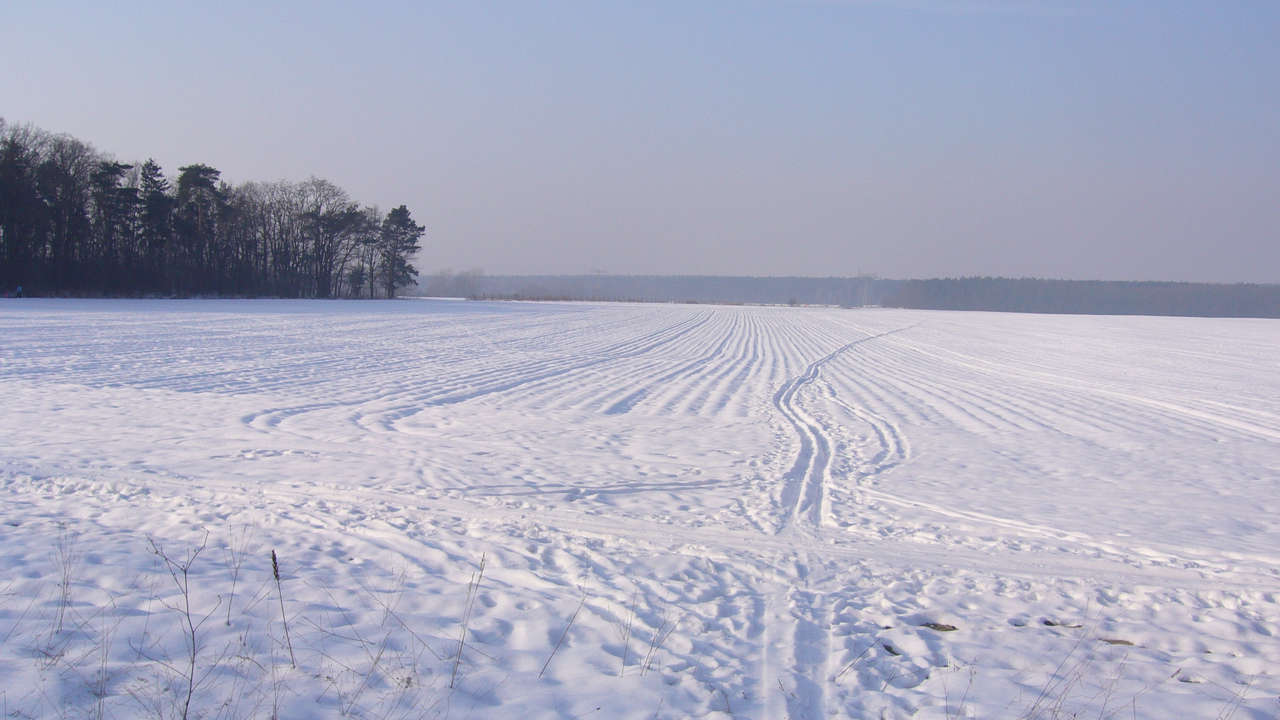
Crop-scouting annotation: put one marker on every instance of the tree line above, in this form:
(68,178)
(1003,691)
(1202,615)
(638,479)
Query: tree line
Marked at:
(652,288)
(1085,297)
(1036,295)
(74,221)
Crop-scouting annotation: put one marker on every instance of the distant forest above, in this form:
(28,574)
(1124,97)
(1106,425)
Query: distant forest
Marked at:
(74,221)
(975,293)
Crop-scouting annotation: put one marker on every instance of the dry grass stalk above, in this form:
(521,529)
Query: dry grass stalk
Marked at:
(626,632)
(563,634)
(275,571)
(473,589)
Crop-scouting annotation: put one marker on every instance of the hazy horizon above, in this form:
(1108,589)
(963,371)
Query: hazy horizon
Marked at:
(458,271)
(1077,140)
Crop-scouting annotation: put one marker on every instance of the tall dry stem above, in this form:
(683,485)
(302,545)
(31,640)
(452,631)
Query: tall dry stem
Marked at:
(67,557)
(473,589)
(563,635)
(275,572)
(235,554)
(180,573)
(626,631)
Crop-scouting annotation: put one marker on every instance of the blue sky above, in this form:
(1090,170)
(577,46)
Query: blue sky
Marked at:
(1116,140)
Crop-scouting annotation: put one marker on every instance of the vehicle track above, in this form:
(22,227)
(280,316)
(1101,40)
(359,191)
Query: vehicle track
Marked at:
(804,484)
(797,646)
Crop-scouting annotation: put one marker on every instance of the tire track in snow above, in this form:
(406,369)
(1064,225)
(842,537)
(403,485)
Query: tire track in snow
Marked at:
(795,667)
(1170,409)
(895,450)
(797,643)
(625,405)
(803,485)
(893,447)
(480,383)
(519,375)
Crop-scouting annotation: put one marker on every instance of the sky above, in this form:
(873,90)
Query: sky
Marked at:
(1117,140)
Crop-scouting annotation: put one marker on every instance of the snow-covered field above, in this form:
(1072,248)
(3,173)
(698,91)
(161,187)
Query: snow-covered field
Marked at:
(681,511)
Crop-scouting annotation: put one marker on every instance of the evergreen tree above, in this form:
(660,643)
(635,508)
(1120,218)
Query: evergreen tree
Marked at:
(398,243)
(156,224)
(115,210)
(196,215)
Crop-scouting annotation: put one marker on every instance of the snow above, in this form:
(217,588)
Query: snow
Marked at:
(759,511)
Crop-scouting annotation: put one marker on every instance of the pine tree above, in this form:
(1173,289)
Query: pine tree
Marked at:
(115,210)
(156,223)
(399,241)
(199,208)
